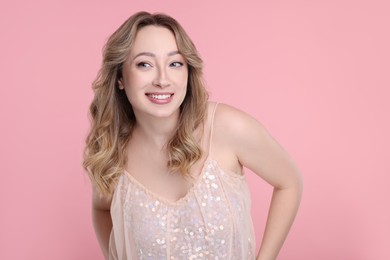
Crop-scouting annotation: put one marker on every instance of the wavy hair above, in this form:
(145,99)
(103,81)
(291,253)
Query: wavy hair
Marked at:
(113,119)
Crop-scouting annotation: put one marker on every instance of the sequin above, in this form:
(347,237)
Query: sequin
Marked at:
(211,222)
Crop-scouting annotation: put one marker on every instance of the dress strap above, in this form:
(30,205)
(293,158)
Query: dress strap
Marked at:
(212,127)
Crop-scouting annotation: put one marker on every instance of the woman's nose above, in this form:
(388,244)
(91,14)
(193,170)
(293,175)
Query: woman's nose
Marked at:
(161,79)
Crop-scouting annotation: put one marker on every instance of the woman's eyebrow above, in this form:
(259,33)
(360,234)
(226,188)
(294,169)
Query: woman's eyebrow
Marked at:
(173,53)
(150,54)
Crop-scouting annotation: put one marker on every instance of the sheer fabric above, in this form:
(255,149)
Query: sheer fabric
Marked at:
(212,221)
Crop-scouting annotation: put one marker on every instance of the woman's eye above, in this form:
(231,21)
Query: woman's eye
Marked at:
(143,65)
(176,64)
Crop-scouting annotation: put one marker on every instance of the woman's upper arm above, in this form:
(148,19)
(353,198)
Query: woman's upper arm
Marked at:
(256,149)
(100,202)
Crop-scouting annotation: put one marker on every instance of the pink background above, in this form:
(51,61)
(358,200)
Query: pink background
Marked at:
(315,73)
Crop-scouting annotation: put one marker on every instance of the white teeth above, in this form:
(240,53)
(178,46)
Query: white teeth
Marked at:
(159,97)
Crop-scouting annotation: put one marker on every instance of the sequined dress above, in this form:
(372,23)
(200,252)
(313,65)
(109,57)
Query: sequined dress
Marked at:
(212,221)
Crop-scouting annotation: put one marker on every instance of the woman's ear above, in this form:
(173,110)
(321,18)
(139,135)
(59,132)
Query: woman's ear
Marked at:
(120,84)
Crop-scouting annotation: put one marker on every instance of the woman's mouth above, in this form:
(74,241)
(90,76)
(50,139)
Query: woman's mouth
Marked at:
(160,98)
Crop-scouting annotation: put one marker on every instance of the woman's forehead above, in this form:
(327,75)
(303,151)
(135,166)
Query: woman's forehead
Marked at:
(153,39)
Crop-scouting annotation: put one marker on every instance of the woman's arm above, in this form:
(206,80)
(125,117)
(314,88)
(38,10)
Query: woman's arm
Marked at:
(101,218)
(258,151)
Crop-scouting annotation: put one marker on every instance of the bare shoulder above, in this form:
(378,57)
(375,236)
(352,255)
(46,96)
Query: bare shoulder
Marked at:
(253,146)
(234,132)
(236,123)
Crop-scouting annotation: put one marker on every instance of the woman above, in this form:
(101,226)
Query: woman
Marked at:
(166,164)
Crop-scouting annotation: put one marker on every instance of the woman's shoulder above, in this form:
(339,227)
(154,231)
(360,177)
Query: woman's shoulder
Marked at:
(231,118)
(235,134)
(236,128)
(225,110)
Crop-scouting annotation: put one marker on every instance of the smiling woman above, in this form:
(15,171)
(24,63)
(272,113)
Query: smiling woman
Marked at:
(160,74)
(167,165)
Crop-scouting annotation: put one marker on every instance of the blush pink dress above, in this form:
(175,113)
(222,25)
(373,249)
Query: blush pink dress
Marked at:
(212,221)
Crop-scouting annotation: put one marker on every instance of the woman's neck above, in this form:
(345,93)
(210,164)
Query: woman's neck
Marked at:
(155,131)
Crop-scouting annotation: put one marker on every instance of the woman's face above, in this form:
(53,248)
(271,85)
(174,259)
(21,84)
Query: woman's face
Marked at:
(155,74)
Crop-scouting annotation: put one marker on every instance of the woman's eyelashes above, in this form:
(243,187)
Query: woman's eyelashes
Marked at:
(143,64)
(147,65)
(176,64)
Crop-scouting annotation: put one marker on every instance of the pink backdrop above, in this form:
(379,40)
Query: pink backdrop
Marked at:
(315,73)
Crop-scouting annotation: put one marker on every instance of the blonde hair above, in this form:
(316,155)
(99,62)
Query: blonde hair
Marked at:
(112,117)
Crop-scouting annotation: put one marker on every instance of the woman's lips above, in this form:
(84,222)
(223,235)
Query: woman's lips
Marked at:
(160,98)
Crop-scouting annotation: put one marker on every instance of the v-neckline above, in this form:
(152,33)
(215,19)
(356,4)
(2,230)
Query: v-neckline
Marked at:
(198,178)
